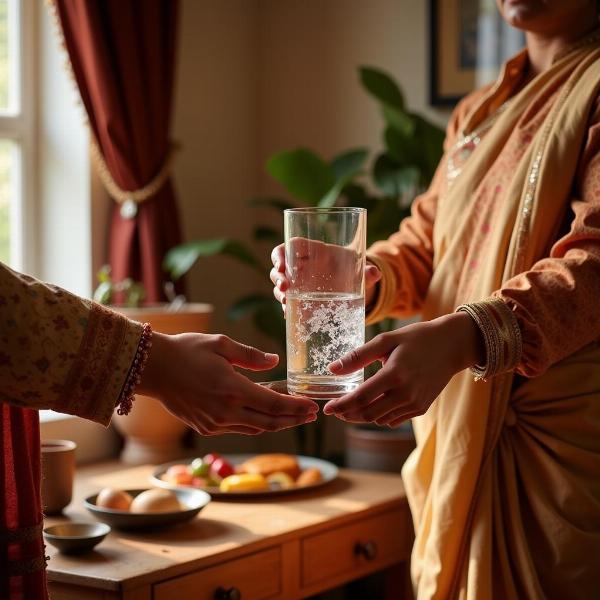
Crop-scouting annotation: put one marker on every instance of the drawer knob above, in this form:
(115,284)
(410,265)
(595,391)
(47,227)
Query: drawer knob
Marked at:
(231,593)
(367,549)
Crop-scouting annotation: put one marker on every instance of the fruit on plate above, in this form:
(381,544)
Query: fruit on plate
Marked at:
(210,458)
(247,482)
(179,475)
(221,468)
(309,477)
(280,480)
(114,499)
(265,464)
(153,501)
(200,482)
(199,468)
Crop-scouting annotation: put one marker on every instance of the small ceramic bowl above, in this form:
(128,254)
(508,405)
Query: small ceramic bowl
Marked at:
(72,538)
(192,502)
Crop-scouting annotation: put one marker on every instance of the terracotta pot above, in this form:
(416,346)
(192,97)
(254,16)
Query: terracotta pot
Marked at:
(152,434)
(378,449)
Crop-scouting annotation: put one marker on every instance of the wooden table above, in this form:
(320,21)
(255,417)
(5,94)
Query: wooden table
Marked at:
(285,548)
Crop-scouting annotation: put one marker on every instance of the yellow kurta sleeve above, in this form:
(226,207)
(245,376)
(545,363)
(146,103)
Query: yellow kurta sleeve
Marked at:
(405,259)
(61,352)
(556,302)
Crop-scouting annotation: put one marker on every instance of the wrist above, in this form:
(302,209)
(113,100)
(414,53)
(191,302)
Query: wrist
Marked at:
(468,343)
(152,377)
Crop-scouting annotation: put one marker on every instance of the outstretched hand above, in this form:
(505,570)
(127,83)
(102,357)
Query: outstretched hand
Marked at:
(418,362)
(193,375)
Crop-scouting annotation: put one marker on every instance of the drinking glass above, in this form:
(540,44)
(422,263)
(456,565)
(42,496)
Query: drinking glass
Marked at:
(325,302)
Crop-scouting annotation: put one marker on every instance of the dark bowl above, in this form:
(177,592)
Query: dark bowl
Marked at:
(192,501)
(73,538)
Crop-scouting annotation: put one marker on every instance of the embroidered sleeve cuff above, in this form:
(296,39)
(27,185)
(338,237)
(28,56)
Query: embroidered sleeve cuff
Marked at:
(97,376)
(385,294)
(501,334)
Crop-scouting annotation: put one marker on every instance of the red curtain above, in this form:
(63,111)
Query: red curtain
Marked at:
(22,572)
(123,55)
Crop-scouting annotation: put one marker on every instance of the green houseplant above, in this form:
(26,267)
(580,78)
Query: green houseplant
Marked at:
(384,183)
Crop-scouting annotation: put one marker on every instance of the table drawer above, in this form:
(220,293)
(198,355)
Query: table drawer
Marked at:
(366,545)
(255,577)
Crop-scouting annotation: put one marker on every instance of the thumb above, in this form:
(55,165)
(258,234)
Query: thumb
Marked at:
(372,275)
(247,357)
(376,349)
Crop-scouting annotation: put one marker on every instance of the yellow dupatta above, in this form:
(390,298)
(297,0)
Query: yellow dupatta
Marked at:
(501,484)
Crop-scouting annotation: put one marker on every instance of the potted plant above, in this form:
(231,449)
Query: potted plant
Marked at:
(151,433)
(405,167)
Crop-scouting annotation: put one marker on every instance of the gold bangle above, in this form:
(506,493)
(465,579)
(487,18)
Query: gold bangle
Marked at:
(501,335)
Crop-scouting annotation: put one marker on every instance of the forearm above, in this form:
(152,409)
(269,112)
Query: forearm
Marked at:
(406,263)
(59,351)
(556,307)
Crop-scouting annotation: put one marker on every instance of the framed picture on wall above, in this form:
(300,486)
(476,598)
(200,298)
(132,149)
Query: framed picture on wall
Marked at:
(468,43)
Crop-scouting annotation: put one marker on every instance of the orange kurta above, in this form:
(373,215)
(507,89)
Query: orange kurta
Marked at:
(504,484)
(570,274)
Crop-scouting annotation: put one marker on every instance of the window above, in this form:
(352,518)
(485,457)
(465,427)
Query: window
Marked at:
(16,129)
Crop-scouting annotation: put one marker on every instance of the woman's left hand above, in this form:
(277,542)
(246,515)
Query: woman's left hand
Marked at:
(418,362)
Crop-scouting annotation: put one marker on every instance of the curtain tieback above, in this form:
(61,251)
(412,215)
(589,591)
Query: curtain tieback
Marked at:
(129,199)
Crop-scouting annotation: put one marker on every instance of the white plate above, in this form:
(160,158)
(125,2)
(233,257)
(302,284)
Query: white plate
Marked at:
(328,470)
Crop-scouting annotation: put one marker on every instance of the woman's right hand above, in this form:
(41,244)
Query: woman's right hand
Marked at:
(330,255)
(193,375)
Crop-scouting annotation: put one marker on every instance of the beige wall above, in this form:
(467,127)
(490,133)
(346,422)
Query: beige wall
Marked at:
(258,76)
(215,120)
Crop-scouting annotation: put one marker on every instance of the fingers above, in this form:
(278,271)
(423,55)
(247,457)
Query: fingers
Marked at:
(278,258)
(241,429)
(397,421)
(380,407)
(378,348)
(242,355)
(281,284)
(372,275)
(396,418)
(270,422)
(279,279)
(360,398)
(277,274)
(270,402)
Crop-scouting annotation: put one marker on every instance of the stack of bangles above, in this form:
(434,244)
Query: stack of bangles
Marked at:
(501,334)
(135,372)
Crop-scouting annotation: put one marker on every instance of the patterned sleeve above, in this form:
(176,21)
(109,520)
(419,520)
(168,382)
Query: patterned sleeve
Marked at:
(405,259)
(61,352)
(556,301)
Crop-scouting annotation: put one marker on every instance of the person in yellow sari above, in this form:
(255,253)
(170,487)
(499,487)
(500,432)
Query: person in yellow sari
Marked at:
(501,257)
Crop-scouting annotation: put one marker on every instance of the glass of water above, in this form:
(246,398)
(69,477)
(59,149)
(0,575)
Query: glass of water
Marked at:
(325,314)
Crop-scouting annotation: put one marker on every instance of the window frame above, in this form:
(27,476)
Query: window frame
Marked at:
(20,127)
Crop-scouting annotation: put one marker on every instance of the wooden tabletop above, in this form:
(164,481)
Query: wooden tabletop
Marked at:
(221,531)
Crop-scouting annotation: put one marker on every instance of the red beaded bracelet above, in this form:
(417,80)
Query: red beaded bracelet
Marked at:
(135,372)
